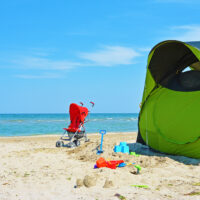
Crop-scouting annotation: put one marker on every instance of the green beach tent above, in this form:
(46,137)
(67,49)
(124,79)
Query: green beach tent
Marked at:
(169,119)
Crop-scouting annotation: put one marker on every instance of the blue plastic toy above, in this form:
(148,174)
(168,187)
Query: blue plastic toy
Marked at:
(122,147)
(122,165)
(125,149)
(122,144)
(100,151)
(117,149)
(125,164)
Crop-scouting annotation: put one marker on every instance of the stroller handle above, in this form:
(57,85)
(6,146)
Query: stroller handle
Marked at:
(92,103)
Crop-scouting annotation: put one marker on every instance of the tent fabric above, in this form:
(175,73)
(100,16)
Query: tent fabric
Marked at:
(77,116)
(169,119)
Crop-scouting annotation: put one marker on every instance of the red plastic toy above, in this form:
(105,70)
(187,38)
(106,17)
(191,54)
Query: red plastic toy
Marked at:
(112,164)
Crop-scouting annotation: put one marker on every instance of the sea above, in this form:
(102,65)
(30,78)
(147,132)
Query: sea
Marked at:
(41,124)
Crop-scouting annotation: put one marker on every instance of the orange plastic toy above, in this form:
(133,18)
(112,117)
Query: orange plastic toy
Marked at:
(101,162)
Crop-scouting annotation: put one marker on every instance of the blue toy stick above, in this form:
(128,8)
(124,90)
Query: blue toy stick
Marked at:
(99,151)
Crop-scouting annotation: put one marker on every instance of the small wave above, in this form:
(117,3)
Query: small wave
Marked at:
(133,118)
(115,119)
(53,120)
(15,120)
(60,120)
(101,119)
(93,120)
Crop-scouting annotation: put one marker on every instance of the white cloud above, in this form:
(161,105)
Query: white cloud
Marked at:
(187,33)
(41,76)
(111,56)
(44,63)
(145,49)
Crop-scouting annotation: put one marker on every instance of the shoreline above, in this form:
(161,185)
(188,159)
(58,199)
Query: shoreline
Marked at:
(59,135)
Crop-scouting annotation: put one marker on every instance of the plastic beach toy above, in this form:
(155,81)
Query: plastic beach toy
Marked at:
(117,149)
(123,144)
(140,186)
(125,164)
(112,164)
(101,162)
(138,167)
(95,166)
(134,154)
(122,165)
(100,151)
(122,147)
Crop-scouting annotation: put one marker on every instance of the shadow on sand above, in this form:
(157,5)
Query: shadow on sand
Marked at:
(145,150)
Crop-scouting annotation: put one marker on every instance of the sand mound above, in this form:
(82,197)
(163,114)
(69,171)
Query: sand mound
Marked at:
(89,181)
(108,184)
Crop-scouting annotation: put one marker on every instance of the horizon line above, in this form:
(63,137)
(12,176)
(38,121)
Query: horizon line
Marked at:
(68,113)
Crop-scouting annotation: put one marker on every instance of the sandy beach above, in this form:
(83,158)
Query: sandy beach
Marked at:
(32,168)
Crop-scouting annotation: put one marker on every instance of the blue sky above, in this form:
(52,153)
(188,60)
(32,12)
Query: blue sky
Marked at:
(57,52)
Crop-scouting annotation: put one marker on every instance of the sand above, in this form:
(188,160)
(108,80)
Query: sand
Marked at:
(32,168)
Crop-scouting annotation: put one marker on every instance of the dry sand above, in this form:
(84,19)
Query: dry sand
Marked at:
(32,168)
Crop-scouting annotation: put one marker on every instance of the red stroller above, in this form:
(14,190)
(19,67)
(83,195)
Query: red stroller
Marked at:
(76,129)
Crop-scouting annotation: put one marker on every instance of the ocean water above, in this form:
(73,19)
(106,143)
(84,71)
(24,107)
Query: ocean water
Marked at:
(40,124)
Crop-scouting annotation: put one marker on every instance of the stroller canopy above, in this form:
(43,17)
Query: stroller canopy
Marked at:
(77,112)
(169,119)
(77,117)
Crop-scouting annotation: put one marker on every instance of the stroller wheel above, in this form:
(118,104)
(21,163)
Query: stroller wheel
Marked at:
(59,143)
(77,142)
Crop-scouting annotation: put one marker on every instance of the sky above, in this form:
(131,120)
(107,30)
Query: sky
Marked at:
(53,53)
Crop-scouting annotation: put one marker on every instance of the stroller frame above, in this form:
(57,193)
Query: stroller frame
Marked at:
(76,130)
(72,138)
